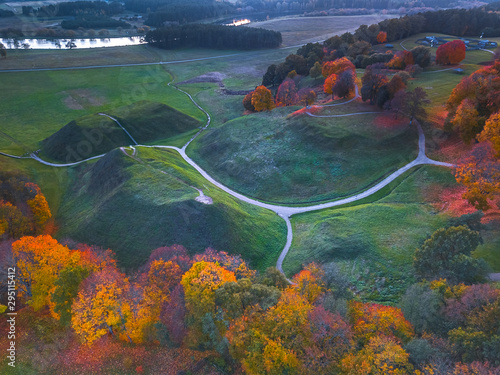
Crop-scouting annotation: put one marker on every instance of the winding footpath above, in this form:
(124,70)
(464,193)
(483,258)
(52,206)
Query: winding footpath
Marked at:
(285,212)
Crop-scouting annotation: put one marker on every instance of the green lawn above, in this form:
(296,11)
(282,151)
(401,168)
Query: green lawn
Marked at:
(134,206)
(373,242)
(304,159)
(146,122)
(40,103)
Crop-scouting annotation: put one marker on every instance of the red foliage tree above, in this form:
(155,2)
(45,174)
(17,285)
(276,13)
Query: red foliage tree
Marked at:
(451,53)
(382,37)
(247,102)
(287,93)
(337,66)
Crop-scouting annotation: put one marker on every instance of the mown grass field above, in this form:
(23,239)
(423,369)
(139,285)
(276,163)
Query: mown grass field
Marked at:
(40,103)
(144,122)
(136,205)
(305,29)
(303,159)
(374,241)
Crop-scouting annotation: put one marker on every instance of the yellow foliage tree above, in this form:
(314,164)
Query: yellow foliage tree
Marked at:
(39,261)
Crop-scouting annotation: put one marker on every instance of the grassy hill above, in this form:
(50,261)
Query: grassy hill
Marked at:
(136,204)
(95,134)
(305,159)
(374,242)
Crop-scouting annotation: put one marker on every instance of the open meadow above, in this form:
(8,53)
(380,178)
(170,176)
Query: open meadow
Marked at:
(279,156)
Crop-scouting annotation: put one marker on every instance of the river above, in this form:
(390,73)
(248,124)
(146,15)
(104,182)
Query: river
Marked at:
(54,43)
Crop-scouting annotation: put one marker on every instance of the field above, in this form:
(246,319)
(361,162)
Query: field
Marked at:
(41,103)
(312,29)
(373,242)
(136,204)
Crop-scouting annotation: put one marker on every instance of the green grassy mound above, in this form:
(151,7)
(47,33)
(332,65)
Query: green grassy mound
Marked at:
(373,242)
(96,134)
(304,159)
(136,204)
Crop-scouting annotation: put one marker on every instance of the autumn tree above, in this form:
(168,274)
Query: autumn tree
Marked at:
(400,60)
(98,308)
(309,282)
(306,96)
(382,37)
(373,79)
(344,85)
(173,315)
(477,93)
(39,260)
(236,297)
(491,133)
(233,263)
(287,93)
(479,172)
(247,102)
(329,84)
(381,356)
(466,120)
(262,99)
(370,320)
(13,223)
(337,66)
(39,206)
(200,284)
(446,254)
(451,53)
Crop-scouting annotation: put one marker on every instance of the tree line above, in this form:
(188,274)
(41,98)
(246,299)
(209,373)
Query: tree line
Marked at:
(93,22)
(259,323)
(76,8)
(213,36)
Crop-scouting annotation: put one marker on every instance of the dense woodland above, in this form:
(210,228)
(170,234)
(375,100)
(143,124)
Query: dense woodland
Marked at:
(213,36)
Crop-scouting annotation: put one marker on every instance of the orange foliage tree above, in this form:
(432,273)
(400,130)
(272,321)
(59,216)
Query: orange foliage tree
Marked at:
(262,99)
(330,84)
(371,320)
(480,173)
(337,66)
(382,37)
(309,282)
(401,60)
(451,53)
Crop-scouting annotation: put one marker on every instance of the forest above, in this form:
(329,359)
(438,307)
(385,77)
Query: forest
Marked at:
(213,36)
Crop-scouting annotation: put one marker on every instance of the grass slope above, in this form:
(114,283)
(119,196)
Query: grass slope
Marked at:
(373,242)
(136,205)
(38,104)
(94,134)
(304,159)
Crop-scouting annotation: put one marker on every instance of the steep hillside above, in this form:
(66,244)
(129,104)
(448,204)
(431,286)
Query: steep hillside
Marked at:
(97,134)
(134,204)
